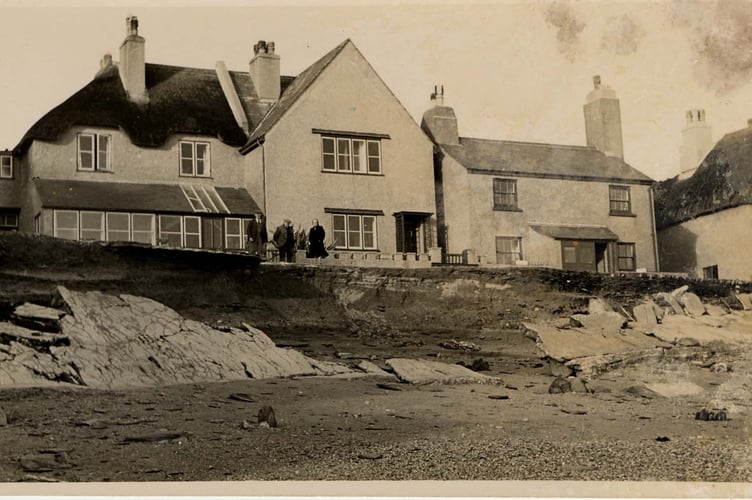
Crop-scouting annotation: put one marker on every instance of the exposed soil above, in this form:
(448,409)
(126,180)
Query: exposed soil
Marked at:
(332,428)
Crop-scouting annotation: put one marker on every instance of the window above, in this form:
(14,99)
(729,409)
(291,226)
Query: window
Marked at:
(66,224)
(94,152)
(350,155)
(710,272)
(92,226)
(505,194)
(625,255)
(8,221)
(204,199)
(171,230)
(142,228)
(118,226)
(194,159)
(6,167)
(192,230)
(234,234)
(354,232)
(620,200)
(38,224)
(508,250)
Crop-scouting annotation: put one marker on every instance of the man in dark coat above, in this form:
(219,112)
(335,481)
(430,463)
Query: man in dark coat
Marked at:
(256,235)
(284,240)
(316,236)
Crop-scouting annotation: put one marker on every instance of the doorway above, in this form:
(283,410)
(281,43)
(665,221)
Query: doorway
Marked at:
(584,255)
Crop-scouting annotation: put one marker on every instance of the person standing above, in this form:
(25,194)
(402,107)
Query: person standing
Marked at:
(256,236)
(316,236)
(284,240)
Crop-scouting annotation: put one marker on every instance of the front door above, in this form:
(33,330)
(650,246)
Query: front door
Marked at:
(407,232)
(578,255)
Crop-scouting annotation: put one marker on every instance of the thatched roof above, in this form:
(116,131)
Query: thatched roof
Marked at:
(723,180)
(542,160)
(181,100)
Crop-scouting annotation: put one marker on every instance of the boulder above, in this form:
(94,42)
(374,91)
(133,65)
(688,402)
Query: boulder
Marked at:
(560,385)
(598,305)
(578,385)
(745,299)
(266,416)
(667,300)
(642,392)
(38,317)
(419,371)
(676,294)
(557,368)
(714,310)
(692,304)
(607,322)
(645,314)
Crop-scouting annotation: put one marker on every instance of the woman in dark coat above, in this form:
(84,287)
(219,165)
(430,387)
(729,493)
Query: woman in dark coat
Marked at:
(316,236)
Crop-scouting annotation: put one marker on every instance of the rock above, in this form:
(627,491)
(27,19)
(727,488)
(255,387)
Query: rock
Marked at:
(662,439)
(498,397)
(246,425)
(606,323)
(419,371)
(667,300)
(42,341)
(560,386)
(711,415)
(36,316)
(715,311)
(578,385)
(264,425)
(43,463)
(39,479)
(94,423)
(155,437)
(3,418)
(563,323)
(645,314)
(675,389)
(676,294)
(370,456)
(620,309)
(659,311)
(239,396)
(478,365)
(720,368)
(745,299)
(459,345)
(597,305)
(372,369)
(642,392)
(687,342)
(388,387)
(266,415)
(558,369)
(692,304)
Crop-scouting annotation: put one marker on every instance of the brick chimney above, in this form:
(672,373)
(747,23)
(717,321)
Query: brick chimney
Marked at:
(264,71)
(603,120)
(696,142)
(439,121)
(133,62)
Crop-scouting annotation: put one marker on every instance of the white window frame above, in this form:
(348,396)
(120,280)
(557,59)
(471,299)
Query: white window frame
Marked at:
(97,141)
(6,166)
(152,231)
(240,235)
(38,223)
(186,234)
(56,224)
(343,162)
(361,232)
(81,228)
(108,230)
(518,253)
(620,258)
(179,232)
(193,158)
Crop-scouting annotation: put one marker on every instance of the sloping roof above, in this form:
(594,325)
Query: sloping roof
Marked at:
(723,180)
(120,196)
(599,233)
(181,100)
(290,95)
(541,160)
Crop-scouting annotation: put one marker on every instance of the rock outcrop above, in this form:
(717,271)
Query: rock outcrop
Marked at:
(108,341)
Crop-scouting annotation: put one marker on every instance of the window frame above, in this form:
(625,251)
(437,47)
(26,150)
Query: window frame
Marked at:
(364,160)
(97,139)
(612,201)
(497,193)
(178,232)
(518,253)
(194,158)
(620,258)
(361,232)
(6,216)
(9,166)
(101,229)
(108,230)
(56,224)
(152,230)
(710,272)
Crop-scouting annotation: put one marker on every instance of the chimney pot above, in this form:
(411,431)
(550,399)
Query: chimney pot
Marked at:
(596,81)
(437,97)
(106,61)
(131,25)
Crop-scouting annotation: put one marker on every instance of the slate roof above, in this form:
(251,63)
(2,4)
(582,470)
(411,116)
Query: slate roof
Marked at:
(723,180)
(121,196)
(559,232)
(542,160)
(181,100)
(291,94)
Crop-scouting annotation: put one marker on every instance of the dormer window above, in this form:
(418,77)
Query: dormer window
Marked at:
(6,167)
(94,152)
(194,159)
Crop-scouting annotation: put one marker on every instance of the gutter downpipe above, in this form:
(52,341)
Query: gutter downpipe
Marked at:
(652,227)
(263,175)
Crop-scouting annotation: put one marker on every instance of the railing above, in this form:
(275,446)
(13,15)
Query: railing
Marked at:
(455,258)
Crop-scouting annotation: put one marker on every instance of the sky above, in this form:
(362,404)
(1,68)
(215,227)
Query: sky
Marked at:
(511,70)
